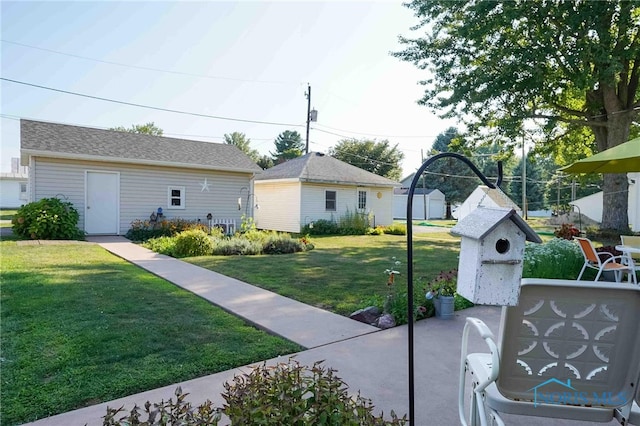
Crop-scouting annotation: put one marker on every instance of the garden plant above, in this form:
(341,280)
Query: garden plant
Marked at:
(284,394)
(47,219)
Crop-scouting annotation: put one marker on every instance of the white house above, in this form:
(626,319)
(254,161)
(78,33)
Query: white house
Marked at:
(483,196)
(113,178)
(316,186)
(427,204)
(13,190)
(591,205)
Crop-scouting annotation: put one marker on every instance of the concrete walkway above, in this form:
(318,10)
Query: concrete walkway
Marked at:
(372,361)
(303,324)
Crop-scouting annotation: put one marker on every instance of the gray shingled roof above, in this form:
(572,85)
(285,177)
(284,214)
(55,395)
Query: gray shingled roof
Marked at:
(480,222)
(85,143)
(321,168)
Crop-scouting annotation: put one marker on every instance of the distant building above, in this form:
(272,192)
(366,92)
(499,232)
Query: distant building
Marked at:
(483,196)
(14,186)
(591,205)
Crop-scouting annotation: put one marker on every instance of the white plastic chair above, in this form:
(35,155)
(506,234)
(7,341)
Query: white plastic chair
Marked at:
(569,350)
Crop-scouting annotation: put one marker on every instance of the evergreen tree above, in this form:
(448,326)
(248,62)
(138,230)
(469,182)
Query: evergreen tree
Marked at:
(289,145)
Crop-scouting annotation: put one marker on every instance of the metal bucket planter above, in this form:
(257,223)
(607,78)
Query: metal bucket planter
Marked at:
(444,306)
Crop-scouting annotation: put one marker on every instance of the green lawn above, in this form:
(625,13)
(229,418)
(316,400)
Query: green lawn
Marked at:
(341,273)
(5,218)
(81,326)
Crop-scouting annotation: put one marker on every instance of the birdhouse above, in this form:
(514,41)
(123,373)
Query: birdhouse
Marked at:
(492,255)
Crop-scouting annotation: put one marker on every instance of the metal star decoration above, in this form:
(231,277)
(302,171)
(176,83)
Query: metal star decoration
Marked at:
(204,185)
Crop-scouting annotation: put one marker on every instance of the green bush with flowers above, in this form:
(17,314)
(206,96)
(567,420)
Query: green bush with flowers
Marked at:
(396,301)
(557,258)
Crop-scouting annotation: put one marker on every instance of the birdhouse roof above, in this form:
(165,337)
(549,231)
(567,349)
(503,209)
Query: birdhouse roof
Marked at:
(479,223)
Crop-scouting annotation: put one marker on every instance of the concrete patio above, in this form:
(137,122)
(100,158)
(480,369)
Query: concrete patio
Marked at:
(370,360)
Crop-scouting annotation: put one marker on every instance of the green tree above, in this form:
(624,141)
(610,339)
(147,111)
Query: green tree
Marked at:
(265,162)
(375,157)
(451,176)
(289,145)
(536,184)
(241,141)
(147,129)
(563,65)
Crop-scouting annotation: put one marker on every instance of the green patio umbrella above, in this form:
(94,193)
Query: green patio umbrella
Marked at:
(623,158)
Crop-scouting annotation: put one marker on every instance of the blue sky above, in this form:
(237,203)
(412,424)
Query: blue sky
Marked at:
(243,60)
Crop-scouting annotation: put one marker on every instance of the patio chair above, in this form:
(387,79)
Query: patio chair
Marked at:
(569,350)
(632,241)
(615,264)
(634,417)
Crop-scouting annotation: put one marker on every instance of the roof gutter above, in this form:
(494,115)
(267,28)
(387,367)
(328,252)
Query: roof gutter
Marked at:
(101,159)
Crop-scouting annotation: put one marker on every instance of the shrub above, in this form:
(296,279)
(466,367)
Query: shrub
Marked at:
(236,246)
(396,229)
(285,394)
(557,258)
(165,413)
(566,231)
(378,230)
(247,224)
(353,224)
(397,303)
(47,219)
(282,244)
(142,230)
(296,395)
(192,243)
(307,243)
(321,227)
(162,245)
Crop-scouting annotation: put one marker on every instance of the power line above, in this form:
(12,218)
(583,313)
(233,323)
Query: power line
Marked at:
(370,134)
(213,77)
(195,114)
(17,118)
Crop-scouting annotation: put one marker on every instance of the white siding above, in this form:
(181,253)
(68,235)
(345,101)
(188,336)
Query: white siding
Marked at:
(435,206)
(10,195)
(144,188)
(313,202)
(279,206)
(591,205)
(380,203)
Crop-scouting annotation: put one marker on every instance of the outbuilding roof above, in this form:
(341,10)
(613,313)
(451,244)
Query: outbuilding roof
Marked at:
(55,140)
(316,167)
(480,222)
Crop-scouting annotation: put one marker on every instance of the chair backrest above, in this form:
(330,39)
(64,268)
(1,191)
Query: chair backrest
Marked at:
(571,342)
(588,250)
(631,241)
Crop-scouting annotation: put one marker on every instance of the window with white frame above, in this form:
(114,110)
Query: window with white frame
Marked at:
(362,200)
(175,197)
(330,200)
(23,190)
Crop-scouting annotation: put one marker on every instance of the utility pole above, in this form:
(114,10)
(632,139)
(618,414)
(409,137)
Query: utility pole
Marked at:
(308,94)
(524,180)
(312,115)
(424,188)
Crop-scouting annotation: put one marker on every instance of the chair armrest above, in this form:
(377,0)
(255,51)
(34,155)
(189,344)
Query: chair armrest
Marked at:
(486,334)
(606,255)
(620,258)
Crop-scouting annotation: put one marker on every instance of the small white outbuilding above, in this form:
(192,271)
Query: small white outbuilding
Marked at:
(492,255)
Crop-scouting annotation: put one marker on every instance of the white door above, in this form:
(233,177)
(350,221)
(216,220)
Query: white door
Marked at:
(102,203)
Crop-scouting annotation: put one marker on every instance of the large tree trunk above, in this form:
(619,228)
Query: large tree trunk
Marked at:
(615,214)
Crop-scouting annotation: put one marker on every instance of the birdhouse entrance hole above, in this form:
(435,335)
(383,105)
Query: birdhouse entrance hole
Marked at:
(502,245)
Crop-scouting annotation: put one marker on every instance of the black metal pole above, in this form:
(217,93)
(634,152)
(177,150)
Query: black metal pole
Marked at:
(412,190)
